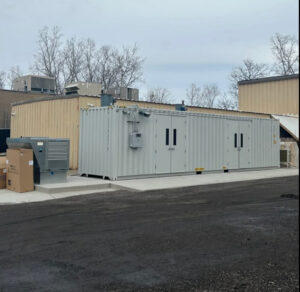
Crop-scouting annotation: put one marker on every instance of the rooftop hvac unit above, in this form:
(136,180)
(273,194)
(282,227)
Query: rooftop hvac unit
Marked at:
(51,157)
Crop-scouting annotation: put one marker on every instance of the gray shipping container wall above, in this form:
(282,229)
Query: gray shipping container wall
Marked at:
(173,142)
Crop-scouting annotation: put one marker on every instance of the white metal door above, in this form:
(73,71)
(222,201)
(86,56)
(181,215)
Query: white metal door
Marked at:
(231,156)
(244,144)
(162,144)
(178,144)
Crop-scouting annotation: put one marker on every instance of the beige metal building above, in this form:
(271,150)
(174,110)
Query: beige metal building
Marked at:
(272,95)
(54,117)
(278,96)
(10,96)
(58,117)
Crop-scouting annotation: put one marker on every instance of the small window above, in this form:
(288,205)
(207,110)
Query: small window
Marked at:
(174,136)
(242,140)
(167,136)
(235,140)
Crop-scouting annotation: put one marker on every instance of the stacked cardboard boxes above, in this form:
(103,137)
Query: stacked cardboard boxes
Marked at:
(2,172)
(19,176)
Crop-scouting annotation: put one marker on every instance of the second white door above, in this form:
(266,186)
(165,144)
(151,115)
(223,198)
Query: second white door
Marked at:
(170,150)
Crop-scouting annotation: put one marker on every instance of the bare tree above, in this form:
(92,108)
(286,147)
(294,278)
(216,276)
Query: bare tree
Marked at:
(193,94)
(73,60)
(159,95)
(128,66)
(2,79)
(226,102)
(13,73)
(81,60)
(49,58)
(285,49)
(204,97)
(209,94)
(115,68)
(105,66)
(247,71)
(90,65)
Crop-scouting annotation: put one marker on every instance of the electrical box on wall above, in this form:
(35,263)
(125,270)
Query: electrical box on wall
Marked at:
(135,140)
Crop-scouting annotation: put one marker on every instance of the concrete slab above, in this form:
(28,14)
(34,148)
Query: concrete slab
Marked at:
(82,185)
(8,197)
(202,179)
(75,186)
(74,183)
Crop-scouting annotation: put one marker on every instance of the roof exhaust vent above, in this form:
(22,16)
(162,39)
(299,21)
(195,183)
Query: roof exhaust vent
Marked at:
(180,106)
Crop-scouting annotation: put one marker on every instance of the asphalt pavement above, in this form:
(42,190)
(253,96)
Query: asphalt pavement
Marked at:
(239,236)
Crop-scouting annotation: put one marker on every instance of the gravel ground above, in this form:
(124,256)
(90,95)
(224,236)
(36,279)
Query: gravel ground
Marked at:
(225,237)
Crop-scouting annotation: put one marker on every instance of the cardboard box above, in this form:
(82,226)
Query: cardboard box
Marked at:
(19,176)
(19,159)
(2,162)
(2,172)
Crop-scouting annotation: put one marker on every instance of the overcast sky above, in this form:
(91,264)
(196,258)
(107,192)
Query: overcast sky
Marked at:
(183,41)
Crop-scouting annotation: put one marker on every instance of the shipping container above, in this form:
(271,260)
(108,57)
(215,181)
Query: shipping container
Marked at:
(118,143)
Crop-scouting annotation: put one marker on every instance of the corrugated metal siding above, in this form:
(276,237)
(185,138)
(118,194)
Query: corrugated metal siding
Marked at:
(95,138)
(104,148)
(129,160)
(274,97)
(265,143)
(204,143)
(57,118)
(108,144)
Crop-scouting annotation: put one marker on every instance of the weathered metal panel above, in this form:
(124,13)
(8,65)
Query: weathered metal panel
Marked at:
(201,142)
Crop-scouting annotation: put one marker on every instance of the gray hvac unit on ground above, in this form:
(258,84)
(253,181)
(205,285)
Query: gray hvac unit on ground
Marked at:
(51,157)
(132,142)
